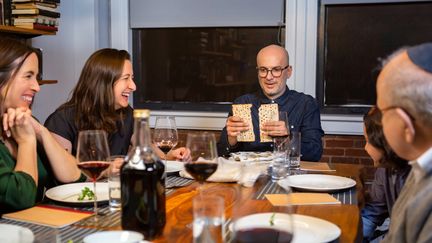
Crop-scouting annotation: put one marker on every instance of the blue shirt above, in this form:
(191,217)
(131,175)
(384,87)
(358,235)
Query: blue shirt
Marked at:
(303,114)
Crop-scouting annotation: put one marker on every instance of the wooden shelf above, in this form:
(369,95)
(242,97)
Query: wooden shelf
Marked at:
(27,33)
(42,82)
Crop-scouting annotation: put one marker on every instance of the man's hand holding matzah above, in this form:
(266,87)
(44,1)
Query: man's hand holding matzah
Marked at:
(240,127)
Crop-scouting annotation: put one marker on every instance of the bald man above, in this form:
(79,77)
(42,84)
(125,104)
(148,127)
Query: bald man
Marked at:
(404,96)
(303,111)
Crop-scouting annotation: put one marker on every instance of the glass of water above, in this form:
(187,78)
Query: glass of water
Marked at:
(294,150)
(114,182)
(208,218)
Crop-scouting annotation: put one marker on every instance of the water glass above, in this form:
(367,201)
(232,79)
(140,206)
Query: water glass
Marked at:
(294,150)
(208,219)
(114,182)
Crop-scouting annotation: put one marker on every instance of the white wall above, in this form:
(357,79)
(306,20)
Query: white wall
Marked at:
(64,54)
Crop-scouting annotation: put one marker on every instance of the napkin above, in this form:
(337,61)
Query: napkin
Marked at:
(47,215)
(301,198)
(227,171)
(315,166)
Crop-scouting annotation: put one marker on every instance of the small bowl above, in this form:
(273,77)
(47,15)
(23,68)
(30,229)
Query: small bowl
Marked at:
(115,237)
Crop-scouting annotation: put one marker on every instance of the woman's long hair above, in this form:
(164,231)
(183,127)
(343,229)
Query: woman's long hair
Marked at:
(13,54)
(93,96)
(375,133)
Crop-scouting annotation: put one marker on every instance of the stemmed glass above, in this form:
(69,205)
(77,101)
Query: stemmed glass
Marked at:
(280,140)
(93,157)
(203,162)
(280,165)
(165,134)
(276,225)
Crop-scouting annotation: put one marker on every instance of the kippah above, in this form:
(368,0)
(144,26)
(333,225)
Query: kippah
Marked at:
(421,55)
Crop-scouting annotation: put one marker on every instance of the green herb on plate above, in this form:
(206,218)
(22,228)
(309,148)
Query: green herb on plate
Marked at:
(272,219)
(86,192)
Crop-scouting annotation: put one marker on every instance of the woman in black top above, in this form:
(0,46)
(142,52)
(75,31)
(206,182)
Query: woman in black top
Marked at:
(100,101)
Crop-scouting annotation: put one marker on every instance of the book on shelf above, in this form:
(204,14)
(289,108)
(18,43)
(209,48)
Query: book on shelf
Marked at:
(1,12)
(6,12)
(39,19)
(36,26)
(43,6)
(39,1)
(36,11)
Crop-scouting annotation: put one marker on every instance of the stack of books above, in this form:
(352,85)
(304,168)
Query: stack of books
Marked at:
(36,14)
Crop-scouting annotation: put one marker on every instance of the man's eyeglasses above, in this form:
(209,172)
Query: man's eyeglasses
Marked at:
(276,72)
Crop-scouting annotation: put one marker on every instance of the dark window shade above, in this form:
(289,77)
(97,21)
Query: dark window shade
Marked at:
(353,38)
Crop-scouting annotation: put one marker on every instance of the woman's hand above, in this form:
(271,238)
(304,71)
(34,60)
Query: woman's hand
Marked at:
(17,122)
(182,154)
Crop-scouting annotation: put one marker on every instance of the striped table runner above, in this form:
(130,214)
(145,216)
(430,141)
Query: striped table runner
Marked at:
(79,230)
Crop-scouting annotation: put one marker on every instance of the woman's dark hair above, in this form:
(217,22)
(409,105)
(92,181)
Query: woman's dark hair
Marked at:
(93,97)
(13,54)
(375,133)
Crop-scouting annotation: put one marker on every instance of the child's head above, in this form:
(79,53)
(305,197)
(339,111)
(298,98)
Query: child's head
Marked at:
(376,144)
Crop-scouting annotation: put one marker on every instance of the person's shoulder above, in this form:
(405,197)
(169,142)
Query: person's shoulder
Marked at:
(61,113)
(300,95)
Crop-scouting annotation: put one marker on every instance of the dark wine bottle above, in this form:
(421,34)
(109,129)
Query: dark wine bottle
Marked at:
(143,184)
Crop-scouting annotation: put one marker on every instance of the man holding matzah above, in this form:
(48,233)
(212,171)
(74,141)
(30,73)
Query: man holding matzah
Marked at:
(253,119)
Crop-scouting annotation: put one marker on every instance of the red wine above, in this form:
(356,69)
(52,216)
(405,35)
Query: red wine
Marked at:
(200,170)
(258,235)
(165,147)
(93,169)
(143,198)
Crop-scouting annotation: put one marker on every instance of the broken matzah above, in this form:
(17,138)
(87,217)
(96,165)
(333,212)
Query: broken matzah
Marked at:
(267,112)
(244,111)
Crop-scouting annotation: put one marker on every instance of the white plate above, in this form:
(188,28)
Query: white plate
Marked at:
(252,156)
(69,193)
(306,228)
(14,233)
(173,166)
(315,182)
(115,237)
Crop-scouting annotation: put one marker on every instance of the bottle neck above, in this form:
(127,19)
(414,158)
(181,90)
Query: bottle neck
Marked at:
(142,132)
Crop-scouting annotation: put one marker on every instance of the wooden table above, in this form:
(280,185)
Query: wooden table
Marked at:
(239,202)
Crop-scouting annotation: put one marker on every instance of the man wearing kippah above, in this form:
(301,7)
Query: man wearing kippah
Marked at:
(404,96)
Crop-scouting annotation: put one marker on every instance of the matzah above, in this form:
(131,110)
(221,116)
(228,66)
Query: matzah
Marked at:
(267,112)
(244,111)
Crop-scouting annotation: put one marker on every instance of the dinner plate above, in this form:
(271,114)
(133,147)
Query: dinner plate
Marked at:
(122,236)
(252,156)
(316,182)
(69,193)
(13,233)
(173,166)
(306,228)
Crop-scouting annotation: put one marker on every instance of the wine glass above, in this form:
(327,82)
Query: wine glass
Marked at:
(275,225)
(280,165)
(203,162)
(93,157)
(165,134)
(280,140)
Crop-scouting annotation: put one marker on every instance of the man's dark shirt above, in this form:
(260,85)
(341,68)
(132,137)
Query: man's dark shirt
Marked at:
(303,114)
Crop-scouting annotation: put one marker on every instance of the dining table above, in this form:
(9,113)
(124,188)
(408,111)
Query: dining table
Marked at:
(239,201)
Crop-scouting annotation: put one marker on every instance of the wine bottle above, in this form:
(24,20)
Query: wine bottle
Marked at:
(143,183)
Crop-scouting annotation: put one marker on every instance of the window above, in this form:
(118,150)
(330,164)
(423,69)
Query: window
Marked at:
(351,40)
(201,69)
